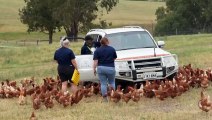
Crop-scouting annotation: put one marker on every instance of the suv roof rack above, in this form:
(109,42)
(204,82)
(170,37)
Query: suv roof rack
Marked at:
(96,30)
(132,27)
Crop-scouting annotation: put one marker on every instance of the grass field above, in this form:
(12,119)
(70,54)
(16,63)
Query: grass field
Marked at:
(18,62)
(133,13)
(9,18)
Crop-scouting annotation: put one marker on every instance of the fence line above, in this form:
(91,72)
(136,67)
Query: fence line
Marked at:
(31,41)
(27,42)
(24,42)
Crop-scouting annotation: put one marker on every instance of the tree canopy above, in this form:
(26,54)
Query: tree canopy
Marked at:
(72,15)
(75,14)
(38,15)
(184,15)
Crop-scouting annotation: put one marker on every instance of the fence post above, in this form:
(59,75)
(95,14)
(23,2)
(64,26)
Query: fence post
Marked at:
(37,42)
(24,42)
(152,27)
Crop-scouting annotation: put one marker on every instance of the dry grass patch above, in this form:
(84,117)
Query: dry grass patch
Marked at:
(183,107)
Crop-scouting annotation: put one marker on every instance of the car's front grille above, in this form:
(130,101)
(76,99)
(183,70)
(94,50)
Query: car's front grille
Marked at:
(145,63)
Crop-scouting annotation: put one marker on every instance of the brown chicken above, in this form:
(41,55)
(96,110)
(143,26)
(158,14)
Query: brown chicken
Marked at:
(135,96)
(119,90)
(22,97)
(148,90)
(65,99)
(126,97)
(115,96)
(209,74)
(2,93)
(11,83)
(88,92)
(172,91)
(48,102)
(160,93)
(204,103)
(77,97)
(31,90)
(96,88)
(36,103)
(9,93)
(33,117)
(204,82)
(57,96)
(141,90)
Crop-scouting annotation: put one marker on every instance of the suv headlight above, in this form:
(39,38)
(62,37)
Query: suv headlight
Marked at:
(169,61)
(122,68)
(122,65)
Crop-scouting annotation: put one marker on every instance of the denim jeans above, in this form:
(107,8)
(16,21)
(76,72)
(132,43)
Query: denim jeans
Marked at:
(106,76)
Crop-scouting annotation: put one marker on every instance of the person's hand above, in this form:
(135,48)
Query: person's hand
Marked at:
(94,72)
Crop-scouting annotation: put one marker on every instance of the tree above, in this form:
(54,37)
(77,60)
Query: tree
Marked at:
(76,14)
(160,12)
(184,15)
(38,15)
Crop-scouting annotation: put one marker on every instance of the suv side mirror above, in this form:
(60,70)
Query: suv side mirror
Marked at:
(161,44)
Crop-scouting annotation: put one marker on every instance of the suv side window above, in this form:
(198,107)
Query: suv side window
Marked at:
(96,40)
(96,37)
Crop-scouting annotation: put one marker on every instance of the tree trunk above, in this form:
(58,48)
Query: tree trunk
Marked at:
(50,36)
(72,31)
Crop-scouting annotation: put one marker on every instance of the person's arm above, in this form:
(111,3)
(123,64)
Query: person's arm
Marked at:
(114,55)
(73,61)
(55,58)
(94,66)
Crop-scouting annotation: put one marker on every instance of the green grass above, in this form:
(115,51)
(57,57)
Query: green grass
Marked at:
(16,36)
(18,62)
(22,61)
(133,13)
(183,107)
(9,18)
(194,49)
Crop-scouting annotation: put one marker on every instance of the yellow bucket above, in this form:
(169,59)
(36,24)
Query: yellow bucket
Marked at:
(76,77)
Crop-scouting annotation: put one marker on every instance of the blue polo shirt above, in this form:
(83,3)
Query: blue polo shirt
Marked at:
(64,56)
(105,56)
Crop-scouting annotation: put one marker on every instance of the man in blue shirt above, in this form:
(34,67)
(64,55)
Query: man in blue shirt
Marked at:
(86,48)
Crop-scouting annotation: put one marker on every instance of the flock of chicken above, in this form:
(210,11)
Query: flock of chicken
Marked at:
(50,90)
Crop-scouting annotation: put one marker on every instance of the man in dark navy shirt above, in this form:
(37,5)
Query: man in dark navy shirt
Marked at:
(86,48)
(66,64)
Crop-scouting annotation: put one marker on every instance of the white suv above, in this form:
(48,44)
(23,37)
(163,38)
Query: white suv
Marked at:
(139,57)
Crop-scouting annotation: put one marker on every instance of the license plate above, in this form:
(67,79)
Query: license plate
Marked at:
(149,75)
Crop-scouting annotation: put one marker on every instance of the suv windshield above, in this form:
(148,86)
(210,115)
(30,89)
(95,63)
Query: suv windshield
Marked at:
(130,40)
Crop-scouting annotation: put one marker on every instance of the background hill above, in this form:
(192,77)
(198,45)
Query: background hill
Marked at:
(9,18)
(125,13)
